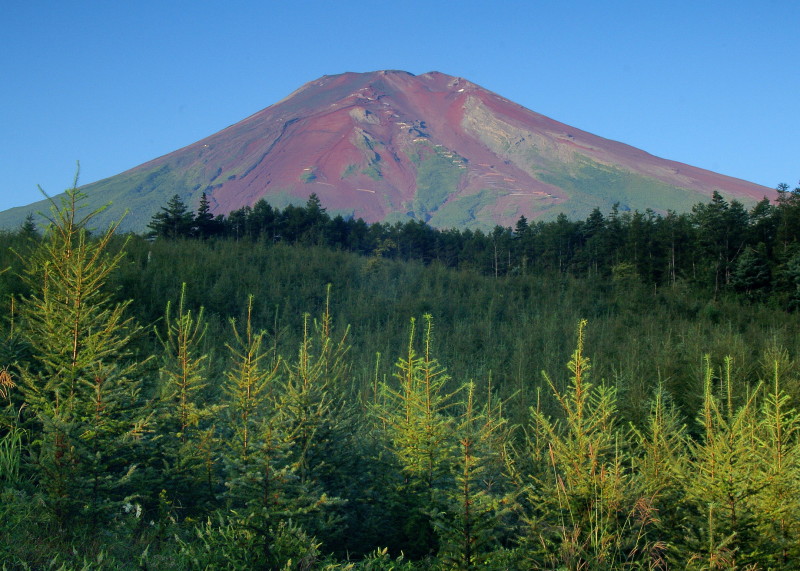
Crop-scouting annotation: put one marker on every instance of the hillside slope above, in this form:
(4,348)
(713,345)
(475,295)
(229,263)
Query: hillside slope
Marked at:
(388,145)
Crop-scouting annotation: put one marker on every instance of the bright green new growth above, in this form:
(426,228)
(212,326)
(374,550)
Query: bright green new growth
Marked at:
(184,367)
(777,504)
(189,442)
(742,476)
(286,465)
(580,509)
(81,398)
(659,464)
(312,395)
(283,419)
(418,429)
(469,524)
(248,382)
(416,411)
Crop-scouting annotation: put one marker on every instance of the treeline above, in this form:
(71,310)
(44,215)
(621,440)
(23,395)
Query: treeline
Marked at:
(719,245)
(203,404)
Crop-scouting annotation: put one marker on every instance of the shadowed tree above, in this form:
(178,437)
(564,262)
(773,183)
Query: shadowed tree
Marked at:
(205,224)
(175,220)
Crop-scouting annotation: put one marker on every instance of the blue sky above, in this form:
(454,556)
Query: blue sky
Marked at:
(714,84)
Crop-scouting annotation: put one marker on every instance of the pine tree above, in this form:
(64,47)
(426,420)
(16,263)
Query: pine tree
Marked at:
(751,273)
(419,435)
(287,434)
(28,229)
(252,452)
(308,402)
(470,523)
(247,389)
(777,504)
(722,480)
(743,480)
(662,448)
(174,220)
(579,509)
(205,225)
(184,436)
(313,410)
(80,388)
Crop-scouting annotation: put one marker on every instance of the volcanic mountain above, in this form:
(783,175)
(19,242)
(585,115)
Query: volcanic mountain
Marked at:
(389,146)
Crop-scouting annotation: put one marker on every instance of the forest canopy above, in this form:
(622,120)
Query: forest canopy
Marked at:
(285,389)
(720,246)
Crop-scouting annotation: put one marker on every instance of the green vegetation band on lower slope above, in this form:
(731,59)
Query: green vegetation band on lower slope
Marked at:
(594,185)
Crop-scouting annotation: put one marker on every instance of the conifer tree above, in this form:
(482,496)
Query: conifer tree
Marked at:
(742,479)
(313,410)
(778,501)
(185,438)
(174,220)
(254,447)
(723,481)
(312,394)
(419,433)
(287,432)
(205,224)
(28,229)
(659,464)
(578,509)
(247,388)
(80,388)
(470,523)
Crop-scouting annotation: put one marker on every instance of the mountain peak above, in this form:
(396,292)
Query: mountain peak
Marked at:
(390,145)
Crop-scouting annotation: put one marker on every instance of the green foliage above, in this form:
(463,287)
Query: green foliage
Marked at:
(470,525)
(719,246)
(580,510)
(247,389)
(415,411)
(11,456)
(174,220)
(259,437)
(776,507)
(310,407)
(737,481)
(414,416)
(660,457)
(186,437)
(80,391)
(184,368)
(438,175)
(230,543)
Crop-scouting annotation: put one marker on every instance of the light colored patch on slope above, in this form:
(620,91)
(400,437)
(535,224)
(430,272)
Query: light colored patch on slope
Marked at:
(522,146)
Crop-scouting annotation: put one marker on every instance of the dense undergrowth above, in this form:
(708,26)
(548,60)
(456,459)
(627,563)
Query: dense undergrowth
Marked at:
(237,403)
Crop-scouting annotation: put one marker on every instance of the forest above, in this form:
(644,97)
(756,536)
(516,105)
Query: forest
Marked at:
(285,389)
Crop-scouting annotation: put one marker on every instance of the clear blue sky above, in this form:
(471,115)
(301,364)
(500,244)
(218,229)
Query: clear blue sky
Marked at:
(715,84)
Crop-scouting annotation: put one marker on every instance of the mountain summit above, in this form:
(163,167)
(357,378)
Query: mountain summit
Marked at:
(389,145)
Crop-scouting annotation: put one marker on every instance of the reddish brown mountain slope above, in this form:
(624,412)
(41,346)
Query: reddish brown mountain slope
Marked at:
(388,145)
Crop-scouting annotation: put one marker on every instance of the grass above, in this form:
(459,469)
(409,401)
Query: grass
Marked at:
(373,171)
(438,176)
(593,185)
(464,212)
(349,171)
